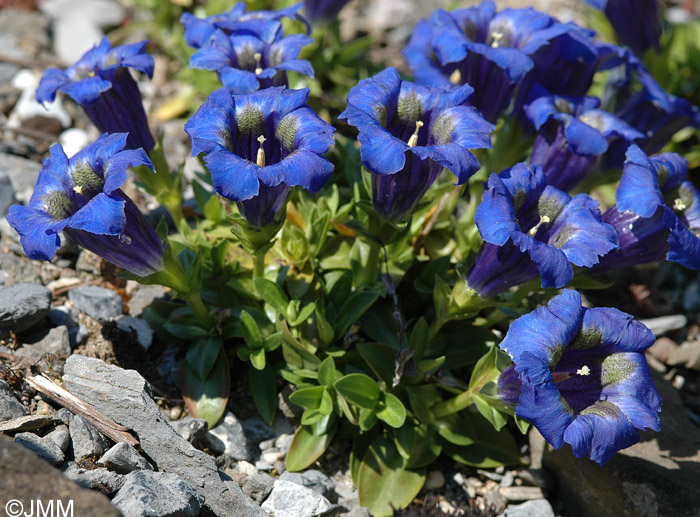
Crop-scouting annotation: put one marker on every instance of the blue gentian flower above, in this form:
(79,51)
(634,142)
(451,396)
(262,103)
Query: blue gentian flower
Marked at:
(572,134)
(81,197)
(488,50)
(246,63)
(259,145)
(583,375)
(323,10)
(658,184)
(409,133)
(102,84)
(636,24)
(263,24)
(532,228)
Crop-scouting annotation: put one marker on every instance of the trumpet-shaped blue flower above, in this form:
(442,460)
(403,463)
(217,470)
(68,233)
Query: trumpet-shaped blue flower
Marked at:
(409,133)
(323,10)
(572,134)
(263,24)
(259,145)
(531,228)
(245,62)
(583,376)
(637,24)
(102,84)
(81,197)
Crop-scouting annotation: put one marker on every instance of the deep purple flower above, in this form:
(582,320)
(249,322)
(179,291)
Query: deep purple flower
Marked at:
(245,62)
(636,23)
(572,134)
(584,378)
(531,228)
(102,84)
(81,197)
(409,133)
(263,24)
(259,145)
(323,10)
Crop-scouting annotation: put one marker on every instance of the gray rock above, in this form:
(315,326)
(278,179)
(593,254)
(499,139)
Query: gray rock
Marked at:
(144,333)
(10,407)
(657,476)
(535,508)
(44,448)
(87,441)
(123,458)
(313,479)
(101,479)
(663,324)
(17,268)
(289,499)
(521,493)
(23,305)
(64,315)
(257,430)
(61,437)
(77,336)
(125,397)
(258,486)
(97,302)
(191,429)
(691,298)
(89,262)
(23,174)
(143,297)
(156,494)
(52,341)
(26,478)
(228,438)
(7,193)
(27,423)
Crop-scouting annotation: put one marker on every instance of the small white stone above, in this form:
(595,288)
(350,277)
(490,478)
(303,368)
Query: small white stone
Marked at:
(246,468)
(272,457)
(73,140)
(434,480)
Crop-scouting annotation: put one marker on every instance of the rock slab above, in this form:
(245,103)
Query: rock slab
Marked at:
(156,494)
(126,397)
(97,302)
(292,500)
(23,305)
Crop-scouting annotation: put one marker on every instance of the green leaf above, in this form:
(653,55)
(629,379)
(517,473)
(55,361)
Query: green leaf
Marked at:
(323,328)
(201,357)
(383,484)
(295,353)
(309,443)
(212,209)
(251,332)
(206,399)
(326,406)
(263,388)
(257,358)
(358,389)
(490,413)
(454,430)
(327,372)
(380,358)
(429,366)
(354,307)
(272,294)
(441,296)
(488,368)
(304,314)
(523,425)
(366,419)
(311,416)
(184,331)
(418,341)
(426,448)
(308,397)
(394,412)
(491,449)
(422,397)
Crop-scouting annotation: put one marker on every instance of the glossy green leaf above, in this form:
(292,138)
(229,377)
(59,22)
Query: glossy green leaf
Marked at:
(309,443)
(257,358)
(366,419)
(272,294)
(421,398)
(323,328)
(311,416)
(184,331)
(441,296)
(393,412)
(454,430)
(418,342)
(263,388)
(383,484)
(304,314)
(308,397)
(327,372)
(488,368)
(206,399)
(212,209)
(380,358)
(202,356)
(251,332)
(352,309)
(490,413)
(358,389)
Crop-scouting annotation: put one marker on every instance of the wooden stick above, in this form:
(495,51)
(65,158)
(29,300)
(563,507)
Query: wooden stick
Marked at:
(105,425)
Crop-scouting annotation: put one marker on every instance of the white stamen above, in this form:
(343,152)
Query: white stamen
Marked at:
(78,189)
(584,370)
(260,160)
(544,219)
(497,37)
(679,205)
(456,77)
(258,69)
(413,141)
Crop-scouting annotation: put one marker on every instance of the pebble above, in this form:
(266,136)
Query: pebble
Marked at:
(7,194)
(263,465)
(434,480)
(175,413)
(289,499)
(258,486)
(191,429)
(228,438)
(26,423)
(96,479)
(534,508)
(27,106)
(144,333)
(10,407)
(54,341)
(521,493)
(145,296)
(60,436)
(87,441)
(315,480)
(63,315)
(73,140)
(44,448)
(123,458)
(508,480)
(62,282)
(97,302)
(23,305)
(155,494)
(272,457)
(664,324)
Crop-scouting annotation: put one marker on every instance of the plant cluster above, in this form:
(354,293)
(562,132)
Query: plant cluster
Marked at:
(411,310)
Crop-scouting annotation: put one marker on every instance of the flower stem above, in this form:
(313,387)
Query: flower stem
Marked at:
(200,310)
(454,405)
(259,263)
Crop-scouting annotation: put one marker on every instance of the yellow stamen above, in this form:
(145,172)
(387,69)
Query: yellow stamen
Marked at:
(456,77)
(679,205)
(584,370)
(261,152)
(544,219)
(78,190)
(258,69)
(413,141)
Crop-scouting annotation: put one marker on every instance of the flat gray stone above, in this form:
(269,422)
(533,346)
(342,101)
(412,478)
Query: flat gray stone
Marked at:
(23,174)
(289,499)
(313,479)
(97,302)
(228,438)
(191,429)
(26,478)
(23,305)
(258,486)
(156,494)
(7,193)
(534,508)
(123,458)
(87,441)
(60,436)
(42,447)
(125,397)
(27,423)
(144,296)
(10,407)
(53,341)
(144,333)
(101,479)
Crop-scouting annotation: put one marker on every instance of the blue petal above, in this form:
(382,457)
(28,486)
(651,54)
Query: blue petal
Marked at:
(239,82)
(53,176)
(301,66)
(617,331)
(233,177)
(115,173)
(584,139)
(301,168)
(419,56)
(310,131)
(454,157)
(216,54)
(683,246)
(52,80)
(103,215)
(551,262)
(638,190)
(133,56)
(211,126)
(381,152)
(99,152)
(673,167)
(197,31)
(495,216)
(32,225)
(376,96)
(86,90)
